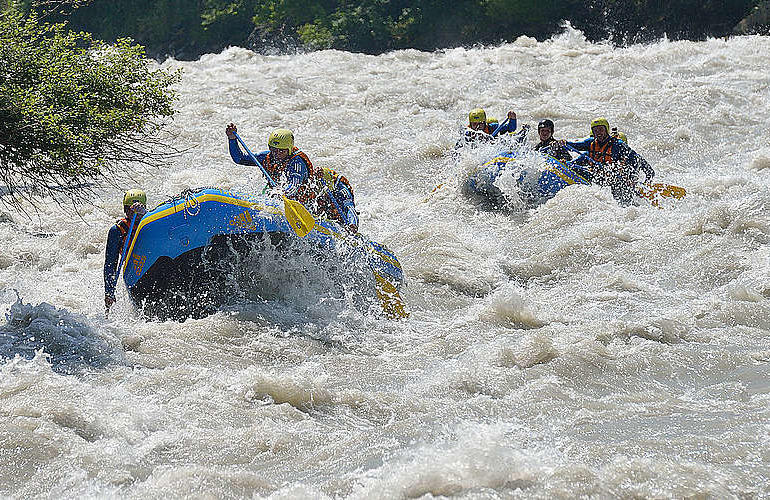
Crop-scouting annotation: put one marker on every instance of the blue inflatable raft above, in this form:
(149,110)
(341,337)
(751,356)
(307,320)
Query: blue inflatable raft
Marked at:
(174,258)
(535,185)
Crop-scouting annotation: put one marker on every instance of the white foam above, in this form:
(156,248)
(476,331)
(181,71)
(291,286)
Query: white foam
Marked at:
(577,348)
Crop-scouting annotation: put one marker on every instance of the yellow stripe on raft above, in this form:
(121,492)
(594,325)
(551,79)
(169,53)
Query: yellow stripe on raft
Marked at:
(561,175)
(237,202)
(199,199)
(499,159)
(391,301)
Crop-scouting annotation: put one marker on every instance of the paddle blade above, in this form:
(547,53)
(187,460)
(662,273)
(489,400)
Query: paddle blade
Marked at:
(671,191)
(392,303)
(300,220)
(659,190)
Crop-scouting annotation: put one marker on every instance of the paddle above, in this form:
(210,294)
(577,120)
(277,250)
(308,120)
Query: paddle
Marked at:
(649,190)
(300,220)
(652,191)
(392,303)
(500,127)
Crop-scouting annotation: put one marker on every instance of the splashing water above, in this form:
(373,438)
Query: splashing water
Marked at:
(577,348)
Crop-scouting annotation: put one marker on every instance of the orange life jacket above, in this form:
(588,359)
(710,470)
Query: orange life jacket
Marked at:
(602,154)
(487,129)
(123,227)
(309,189)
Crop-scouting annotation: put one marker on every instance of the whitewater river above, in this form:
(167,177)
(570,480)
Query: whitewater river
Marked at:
(575,349)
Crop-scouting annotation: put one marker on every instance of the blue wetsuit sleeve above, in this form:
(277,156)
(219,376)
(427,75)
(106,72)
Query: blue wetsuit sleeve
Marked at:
(345,198)
(509,127)
(583,145)
(633,158)
(237,155)
(296,174)
(649,172)
(111,257)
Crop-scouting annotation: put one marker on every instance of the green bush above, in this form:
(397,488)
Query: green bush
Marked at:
(73,110)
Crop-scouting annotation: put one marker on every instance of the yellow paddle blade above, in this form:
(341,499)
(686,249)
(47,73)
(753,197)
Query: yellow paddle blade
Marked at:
(672,191)
(392,304)
(653,191)
(300,220)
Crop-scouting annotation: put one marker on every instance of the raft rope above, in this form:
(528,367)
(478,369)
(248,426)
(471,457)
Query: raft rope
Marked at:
(192,206)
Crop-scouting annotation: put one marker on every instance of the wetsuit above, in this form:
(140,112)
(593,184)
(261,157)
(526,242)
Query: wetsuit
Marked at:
(293,176)
(473,137)
(116,238)
(619,169)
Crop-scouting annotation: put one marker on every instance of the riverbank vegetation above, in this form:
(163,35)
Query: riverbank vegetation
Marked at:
(188,29)
(74,111)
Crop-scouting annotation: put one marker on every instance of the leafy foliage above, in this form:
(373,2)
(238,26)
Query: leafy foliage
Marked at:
(188,29)
(73,110)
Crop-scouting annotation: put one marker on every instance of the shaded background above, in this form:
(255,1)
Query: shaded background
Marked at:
(186,30)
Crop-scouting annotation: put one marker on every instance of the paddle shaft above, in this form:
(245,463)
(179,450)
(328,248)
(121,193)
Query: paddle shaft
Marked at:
(500,127)
(254,159)
(125,245)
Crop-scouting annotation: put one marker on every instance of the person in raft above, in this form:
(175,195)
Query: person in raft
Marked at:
(548,145)
(480,130)
(294,173)
(611,162)
(134,203)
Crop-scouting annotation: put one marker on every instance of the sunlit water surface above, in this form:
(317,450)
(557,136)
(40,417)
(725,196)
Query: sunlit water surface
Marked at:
(577,348)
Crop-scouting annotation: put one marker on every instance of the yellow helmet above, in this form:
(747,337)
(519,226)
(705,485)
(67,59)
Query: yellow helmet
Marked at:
(596,122)
(281,138)
(133,195)
(330,176)
(477,116)
(493,121)
(622,137)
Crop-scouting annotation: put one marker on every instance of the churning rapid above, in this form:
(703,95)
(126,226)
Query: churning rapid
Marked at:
(578,348)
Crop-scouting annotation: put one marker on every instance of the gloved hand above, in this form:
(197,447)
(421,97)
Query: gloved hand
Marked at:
(139,209)
(230,129)
(108,301)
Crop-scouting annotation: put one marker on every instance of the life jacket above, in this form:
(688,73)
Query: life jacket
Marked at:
(602,154)
(487,129)
(617,174)
(308,190)
(329,180)
(123,226)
